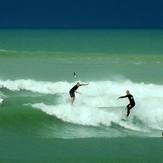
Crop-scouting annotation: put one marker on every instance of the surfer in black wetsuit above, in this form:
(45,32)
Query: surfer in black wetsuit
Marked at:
(73,90)
(74,74)
(131,104)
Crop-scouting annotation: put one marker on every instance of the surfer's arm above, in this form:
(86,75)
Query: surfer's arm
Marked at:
(84,84)
(122,97)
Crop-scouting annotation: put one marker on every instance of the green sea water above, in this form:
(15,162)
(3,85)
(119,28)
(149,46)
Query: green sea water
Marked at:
(37,122)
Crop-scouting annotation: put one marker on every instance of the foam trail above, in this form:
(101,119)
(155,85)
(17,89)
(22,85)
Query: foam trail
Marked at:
(149,110)
(82,115)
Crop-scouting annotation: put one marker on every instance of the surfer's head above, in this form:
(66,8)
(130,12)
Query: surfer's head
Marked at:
(78,84)
(127,92)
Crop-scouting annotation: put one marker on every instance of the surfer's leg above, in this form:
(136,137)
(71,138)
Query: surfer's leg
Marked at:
(128,112)
(72,95)
(128,109)
(72,100)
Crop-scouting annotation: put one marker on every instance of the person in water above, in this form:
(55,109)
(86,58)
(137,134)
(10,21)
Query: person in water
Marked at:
(131,104)
(73,90)
(74,74)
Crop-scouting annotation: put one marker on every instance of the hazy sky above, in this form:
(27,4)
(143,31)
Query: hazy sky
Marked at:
(81,13)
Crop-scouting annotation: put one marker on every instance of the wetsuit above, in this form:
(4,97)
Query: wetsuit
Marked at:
(72,91)
(131,104)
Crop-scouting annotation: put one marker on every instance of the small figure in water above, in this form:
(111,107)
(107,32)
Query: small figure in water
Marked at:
(73,90)
(74,74)
(131,104)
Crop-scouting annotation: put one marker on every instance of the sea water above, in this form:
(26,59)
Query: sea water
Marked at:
(36,74)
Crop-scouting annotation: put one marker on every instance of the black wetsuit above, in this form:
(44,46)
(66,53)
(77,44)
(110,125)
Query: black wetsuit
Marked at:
(72,91)
(131,104)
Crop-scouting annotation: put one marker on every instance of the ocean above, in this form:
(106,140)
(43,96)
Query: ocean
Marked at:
(37,121)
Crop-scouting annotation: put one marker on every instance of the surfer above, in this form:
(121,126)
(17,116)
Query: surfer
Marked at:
(74,74)
(73,90)
(131,104)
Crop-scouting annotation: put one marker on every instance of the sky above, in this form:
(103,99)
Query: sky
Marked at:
(81,13)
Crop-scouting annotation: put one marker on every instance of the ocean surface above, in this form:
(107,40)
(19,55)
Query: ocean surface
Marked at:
(37,121)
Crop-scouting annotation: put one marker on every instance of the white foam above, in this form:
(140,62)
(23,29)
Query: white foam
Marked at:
(148,99)
(1,100)
(82,115)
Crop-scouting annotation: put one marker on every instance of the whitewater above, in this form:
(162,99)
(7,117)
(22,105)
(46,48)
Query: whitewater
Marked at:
(98,105)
